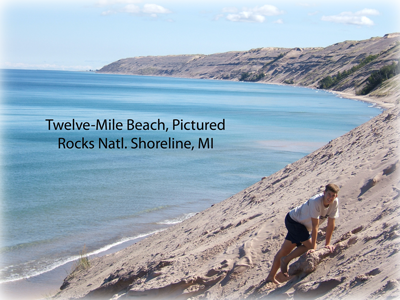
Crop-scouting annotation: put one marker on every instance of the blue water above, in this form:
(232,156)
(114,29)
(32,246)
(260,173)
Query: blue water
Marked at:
(55,201)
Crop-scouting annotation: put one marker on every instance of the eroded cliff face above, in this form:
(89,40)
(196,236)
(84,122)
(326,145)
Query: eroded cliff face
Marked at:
(298,66)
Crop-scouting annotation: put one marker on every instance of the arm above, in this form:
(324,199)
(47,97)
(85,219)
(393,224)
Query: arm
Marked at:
(329,231)
(314,232)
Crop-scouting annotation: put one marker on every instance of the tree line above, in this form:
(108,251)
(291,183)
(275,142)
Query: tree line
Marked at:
(328,81)
(246,76)
(379,76)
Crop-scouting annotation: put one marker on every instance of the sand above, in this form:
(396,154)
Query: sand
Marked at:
(226,251)
(383,102)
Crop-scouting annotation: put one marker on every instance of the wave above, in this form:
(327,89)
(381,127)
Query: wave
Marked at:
(36,268)
(177,219)
(290,146)
(63,261)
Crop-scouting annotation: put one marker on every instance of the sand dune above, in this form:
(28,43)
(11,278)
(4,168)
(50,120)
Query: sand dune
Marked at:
(226,251)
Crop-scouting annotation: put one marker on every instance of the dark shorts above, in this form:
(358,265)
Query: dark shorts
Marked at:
(297,233)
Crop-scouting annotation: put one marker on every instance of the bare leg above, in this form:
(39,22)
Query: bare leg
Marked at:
(286,248)
(285,260)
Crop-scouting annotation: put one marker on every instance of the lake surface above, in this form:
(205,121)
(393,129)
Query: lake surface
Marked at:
(57,200)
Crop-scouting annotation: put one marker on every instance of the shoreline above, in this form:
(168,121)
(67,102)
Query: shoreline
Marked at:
(48,283)
(368,99)
(42,285)
(384,105)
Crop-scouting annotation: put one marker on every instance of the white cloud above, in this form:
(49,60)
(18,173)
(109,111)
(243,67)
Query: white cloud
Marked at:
(345,19)
(131,9)
(367,11)
(256,14)
(279,21)
(358,18)
(155,9)
(246,16)
(152,10)
(268,10)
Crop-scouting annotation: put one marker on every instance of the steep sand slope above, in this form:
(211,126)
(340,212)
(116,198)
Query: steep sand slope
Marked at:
(226,251)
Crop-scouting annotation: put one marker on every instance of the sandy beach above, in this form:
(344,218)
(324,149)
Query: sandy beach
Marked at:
(385,102)
(226,251)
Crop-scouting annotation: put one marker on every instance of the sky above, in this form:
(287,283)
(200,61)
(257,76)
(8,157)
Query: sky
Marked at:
(88,34)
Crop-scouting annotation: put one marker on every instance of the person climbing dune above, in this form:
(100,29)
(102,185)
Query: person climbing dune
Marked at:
(302,220)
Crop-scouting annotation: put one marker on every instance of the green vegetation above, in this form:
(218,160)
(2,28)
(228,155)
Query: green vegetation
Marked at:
(254,50)
(247,76)
(244,76)
(275,59)
(329,81)
(289,81)
(83,262)
(377,77)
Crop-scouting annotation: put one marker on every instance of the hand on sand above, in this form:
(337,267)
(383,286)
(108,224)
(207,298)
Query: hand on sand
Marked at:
(310,251)
(330,247)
